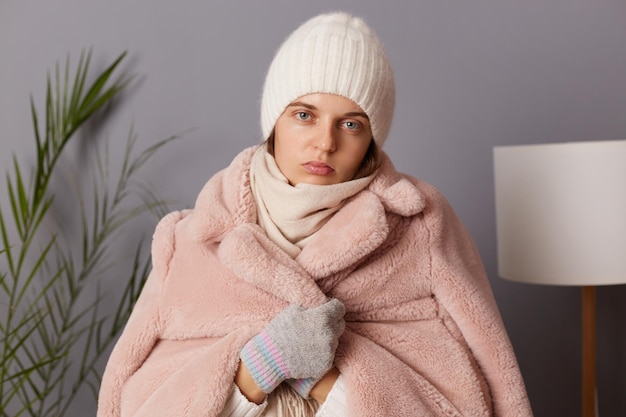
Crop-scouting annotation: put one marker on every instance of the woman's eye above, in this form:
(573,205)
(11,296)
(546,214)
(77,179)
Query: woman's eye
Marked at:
(302,115)
(351,125)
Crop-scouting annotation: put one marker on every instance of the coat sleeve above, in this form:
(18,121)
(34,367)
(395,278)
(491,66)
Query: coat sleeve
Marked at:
(460,284)
(142,329)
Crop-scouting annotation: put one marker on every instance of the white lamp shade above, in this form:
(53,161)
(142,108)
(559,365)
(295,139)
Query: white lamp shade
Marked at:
(561,212)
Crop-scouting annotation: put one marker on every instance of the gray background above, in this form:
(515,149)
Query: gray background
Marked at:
(470,75)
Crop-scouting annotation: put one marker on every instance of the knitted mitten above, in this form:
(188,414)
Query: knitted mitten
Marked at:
(299,343)
(303,386)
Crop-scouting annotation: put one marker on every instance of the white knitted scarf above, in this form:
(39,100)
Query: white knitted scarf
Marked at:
(290,215)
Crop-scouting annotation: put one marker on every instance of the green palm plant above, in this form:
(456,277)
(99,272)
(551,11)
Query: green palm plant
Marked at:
(53,329)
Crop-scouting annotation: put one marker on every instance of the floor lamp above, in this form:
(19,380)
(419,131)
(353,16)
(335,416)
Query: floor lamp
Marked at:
(561,220)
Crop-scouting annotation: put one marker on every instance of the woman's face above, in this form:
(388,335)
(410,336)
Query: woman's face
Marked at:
(321,139)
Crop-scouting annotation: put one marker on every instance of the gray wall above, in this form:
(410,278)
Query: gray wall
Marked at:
(470,74)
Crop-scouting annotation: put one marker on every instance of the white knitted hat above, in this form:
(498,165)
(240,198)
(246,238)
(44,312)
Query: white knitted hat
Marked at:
(331,53)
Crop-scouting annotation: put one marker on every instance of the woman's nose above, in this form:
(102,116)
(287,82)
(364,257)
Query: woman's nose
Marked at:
(326,138)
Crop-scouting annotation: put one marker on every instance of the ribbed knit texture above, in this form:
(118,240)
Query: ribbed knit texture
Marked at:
(331,53)
(310,206)
(298,343)
(303,386)
(264,362)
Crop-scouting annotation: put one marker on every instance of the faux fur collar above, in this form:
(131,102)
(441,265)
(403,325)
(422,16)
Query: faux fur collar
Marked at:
(226,203)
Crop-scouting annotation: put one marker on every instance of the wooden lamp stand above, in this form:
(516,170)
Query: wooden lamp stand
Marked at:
(589,351)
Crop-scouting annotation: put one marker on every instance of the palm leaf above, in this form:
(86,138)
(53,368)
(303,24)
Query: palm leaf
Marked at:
(50,346)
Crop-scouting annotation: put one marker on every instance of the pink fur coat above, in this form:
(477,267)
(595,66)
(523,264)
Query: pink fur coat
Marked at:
(423,333)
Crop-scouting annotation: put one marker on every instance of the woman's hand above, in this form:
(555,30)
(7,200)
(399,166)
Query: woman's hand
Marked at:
(253,393)
(299,343)
(247,386)
(320,391)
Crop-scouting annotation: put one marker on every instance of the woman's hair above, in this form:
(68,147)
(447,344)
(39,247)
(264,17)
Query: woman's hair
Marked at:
(371,161)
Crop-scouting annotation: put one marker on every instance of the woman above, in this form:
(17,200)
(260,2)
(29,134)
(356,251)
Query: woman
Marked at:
(312,278)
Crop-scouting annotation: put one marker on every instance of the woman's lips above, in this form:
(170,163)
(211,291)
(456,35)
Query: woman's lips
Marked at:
(318,168)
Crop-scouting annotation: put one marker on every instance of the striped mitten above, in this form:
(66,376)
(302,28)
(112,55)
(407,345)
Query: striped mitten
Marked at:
(303,386)
(299,343)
